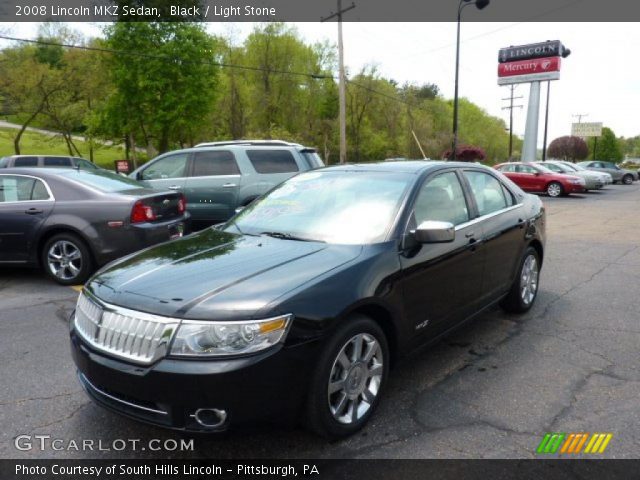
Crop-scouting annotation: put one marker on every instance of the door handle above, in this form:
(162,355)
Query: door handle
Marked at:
(174,187)
(33,211)
(229,185)
(470,234)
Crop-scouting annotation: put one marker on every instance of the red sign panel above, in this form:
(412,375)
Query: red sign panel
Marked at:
(529,67)
(122,166)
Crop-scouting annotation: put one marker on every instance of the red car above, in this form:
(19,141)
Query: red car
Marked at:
(539,179)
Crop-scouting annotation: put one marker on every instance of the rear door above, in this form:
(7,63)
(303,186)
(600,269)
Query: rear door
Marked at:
(168,172)
(25,203)
(212,186)
(502,223)
(272,167)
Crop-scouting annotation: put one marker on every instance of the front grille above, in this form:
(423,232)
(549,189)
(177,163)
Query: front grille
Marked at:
(135,336)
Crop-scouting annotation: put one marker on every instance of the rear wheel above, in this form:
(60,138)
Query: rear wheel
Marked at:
(627,179)
(351,373)
(554,189)
(524,289)
(66,259)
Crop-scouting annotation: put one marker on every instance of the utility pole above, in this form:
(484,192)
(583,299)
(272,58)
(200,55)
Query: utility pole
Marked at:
(511,106)
(579,116)
(342,80)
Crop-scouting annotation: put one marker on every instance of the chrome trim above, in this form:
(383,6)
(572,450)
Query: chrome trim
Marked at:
(46,185)
(220,414)
(137,337)
(119,400)
(487,216)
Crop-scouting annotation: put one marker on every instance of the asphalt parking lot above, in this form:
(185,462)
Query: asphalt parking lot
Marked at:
(491,390)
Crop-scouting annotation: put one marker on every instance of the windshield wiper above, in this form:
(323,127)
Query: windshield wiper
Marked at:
(288,236)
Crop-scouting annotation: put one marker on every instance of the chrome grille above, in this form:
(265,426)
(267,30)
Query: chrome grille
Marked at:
(135,336)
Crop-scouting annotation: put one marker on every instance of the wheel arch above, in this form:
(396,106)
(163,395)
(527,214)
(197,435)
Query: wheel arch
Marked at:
(52,231)
(537,246)
(385,320)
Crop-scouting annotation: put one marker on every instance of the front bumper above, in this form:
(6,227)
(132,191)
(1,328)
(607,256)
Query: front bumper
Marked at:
(573,188)
(268,387)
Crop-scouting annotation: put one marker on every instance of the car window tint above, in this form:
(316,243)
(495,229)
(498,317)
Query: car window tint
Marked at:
(488,192)
(56,162)
(25,162)
(272,161)
(171,166)
(39,191)
(525,169)
(214,162)
(441,199)
(101,179)
(15,189)
(506,168)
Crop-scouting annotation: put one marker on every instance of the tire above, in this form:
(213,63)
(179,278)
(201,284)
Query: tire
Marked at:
(554,189)
(517,300)
(360,383)
(627,179)
(66,259)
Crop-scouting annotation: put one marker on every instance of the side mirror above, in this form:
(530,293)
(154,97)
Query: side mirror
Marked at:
(433,231)
(139,175)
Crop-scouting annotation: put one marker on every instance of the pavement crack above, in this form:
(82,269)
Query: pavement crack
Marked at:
(64,419)
(35,399)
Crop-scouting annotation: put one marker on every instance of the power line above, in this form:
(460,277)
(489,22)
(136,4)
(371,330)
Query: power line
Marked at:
(319,76)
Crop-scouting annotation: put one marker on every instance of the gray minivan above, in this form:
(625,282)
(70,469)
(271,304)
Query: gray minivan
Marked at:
(218,177)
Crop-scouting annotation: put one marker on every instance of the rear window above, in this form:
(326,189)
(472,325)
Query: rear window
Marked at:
(25,162)
(312,158)
(214,162)
(102,180)
(56,162)
(272,161)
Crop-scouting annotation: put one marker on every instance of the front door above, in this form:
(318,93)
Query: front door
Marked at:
(25,203)
(442,281)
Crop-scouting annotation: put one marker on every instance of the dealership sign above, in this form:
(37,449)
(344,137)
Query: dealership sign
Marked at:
(535,62)
(593,129)
(533,50)
(529,70)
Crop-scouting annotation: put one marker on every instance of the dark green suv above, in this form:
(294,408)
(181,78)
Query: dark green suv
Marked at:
(216,178)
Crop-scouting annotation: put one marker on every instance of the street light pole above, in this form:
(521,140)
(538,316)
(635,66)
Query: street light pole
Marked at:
(480,4)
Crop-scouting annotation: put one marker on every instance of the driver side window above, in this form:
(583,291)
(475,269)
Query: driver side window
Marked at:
(442,199)
(172,166)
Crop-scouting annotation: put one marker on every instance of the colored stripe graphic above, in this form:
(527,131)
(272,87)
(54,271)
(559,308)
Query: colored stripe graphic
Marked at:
(573,443)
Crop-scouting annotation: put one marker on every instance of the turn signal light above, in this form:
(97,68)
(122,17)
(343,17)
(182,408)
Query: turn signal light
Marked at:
(182,204)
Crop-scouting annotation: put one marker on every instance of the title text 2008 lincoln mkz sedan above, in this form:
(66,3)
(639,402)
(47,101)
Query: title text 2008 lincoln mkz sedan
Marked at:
(297,306)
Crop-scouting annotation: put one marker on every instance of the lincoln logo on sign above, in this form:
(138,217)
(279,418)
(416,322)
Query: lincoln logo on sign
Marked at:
(527,67)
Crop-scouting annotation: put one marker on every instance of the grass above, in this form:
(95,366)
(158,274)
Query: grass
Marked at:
(33,143)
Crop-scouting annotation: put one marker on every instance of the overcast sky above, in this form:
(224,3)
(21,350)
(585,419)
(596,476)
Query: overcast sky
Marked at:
(600,78)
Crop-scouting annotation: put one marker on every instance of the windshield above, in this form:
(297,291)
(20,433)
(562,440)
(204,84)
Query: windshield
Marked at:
(346,207)
(102,180)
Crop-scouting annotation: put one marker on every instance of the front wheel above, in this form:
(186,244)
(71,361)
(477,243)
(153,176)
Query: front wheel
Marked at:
(524,289)
(627,179)
(351,373)
(554,189)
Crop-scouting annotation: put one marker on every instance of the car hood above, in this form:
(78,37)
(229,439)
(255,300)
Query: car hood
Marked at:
(216,275)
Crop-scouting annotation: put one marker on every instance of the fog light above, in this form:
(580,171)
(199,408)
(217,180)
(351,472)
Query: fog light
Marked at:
(210,417)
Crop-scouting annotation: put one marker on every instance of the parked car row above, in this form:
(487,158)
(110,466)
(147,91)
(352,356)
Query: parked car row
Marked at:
(557,178)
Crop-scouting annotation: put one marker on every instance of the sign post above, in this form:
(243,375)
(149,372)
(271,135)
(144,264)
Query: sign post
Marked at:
(532,64)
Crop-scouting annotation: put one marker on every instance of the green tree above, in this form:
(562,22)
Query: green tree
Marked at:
(165,82)
(608,147)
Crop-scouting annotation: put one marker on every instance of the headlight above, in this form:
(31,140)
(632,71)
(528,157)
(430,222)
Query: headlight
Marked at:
(577,181)
(195,338)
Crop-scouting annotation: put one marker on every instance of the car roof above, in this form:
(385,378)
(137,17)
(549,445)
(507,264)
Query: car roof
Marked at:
(409,166)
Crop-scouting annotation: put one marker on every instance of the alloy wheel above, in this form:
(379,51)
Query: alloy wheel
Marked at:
(64,260)
(554,190)
(356,377)
(529,280)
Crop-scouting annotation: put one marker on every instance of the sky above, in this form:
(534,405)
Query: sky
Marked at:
(600,79)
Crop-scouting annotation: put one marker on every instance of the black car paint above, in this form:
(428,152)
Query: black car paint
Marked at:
(415,292)
(82,210)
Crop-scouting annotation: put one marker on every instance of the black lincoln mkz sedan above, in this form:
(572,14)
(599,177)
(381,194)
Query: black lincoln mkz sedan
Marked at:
(297,306)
